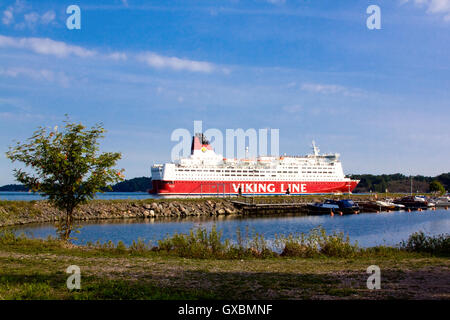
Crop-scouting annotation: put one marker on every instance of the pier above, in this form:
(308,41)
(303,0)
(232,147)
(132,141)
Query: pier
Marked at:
(249,206)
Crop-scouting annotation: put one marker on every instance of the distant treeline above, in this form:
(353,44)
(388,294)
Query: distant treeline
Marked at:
(141,184)
(368,182)
(14,187)
(398,182)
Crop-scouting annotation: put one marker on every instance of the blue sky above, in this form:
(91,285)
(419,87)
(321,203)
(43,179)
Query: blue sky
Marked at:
(310,68)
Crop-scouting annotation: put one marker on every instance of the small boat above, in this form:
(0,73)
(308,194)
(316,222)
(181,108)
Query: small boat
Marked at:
(413,202)
(441,201)
(390,205)
(345,206)
(369,206)
(379,206)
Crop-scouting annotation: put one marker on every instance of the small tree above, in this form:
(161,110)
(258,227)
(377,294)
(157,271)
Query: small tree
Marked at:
(65,167)
(436,186)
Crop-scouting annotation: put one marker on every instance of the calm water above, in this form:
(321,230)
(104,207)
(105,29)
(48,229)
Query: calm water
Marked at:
(367,229)
(29,196)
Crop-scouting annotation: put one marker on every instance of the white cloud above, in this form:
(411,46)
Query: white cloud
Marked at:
(13,15)
(117,56)
(9,12)
(441,7)
(157,61)
(61,49)
(40,74)
(322,88)
(293,108)
(8,16)
(48,17)
(276,1)
(31,18)
(330,89)
(45,46)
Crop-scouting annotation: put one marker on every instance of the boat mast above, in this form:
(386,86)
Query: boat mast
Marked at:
(411,184)
(315,148)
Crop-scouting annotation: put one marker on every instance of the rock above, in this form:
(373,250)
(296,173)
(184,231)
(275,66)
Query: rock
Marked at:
(229,211)
(221,211)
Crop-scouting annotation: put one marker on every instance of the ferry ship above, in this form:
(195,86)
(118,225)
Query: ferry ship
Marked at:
(205,172)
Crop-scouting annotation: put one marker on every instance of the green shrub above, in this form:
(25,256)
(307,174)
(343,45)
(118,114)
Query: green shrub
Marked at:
(294,249)
(139,246)
(436,245)
(197,244)
(336,245)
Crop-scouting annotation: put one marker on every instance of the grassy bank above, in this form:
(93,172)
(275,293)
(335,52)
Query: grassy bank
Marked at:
(172,269)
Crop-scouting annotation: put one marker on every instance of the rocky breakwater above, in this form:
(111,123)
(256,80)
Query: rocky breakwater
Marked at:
(19,212)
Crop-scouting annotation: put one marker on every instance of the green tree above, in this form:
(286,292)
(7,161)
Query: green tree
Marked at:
(436,186)
(65,166)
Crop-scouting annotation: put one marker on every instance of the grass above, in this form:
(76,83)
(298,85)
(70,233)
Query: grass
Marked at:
(202,265)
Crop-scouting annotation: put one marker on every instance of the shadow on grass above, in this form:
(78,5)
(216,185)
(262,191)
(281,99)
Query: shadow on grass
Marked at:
(53,286)
(190,285)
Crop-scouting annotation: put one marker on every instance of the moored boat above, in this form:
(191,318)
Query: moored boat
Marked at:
(413,202)
(345,206)
(387,204)
(441,201)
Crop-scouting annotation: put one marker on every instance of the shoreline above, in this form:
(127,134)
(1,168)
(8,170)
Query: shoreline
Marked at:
(13,213)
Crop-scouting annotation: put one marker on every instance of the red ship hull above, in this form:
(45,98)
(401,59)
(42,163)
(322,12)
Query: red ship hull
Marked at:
(250,187)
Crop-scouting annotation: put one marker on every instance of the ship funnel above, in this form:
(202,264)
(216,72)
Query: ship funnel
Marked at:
(199,142)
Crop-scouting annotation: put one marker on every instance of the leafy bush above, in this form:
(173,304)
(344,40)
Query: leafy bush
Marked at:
(316,243)
(336,245)
(197,244)
(436,245)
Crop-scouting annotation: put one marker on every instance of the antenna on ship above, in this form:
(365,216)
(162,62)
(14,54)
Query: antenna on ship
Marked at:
(315,148)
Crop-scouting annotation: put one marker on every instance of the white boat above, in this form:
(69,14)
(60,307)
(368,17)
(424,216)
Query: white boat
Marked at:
(390,204)
(441,201)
